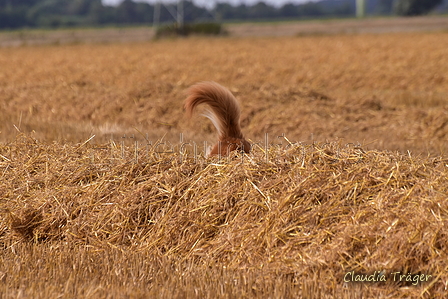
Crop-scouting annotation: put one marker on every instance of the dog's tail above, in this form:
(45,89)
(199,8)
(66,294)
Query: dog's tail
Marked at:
(224,112)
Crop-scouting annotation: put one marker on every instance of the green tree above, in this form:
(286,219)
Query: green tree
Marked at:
(48,13)
(224,11)
(384,7)
(261,11)
(99,14)
(145,12)
(81,7)
(311,9)
(288,10)
(127,12)
(16,3)
(415,7)
(13,17)
(193,13)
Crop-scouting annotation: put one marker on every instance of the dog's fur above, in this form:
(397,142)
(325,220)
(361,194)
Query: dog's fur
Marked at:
(224,112)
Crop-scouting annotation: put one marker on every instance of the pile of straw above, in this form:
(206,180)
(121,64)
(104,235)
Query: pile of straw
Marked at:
(276,223)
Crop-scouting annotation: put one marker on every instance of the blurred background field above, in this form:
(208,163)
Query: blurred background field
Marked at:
(386,91)
(142,33)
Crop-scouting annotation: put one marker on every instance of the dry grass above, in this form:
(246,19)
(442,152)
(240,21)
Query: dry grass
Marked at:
(82,217)
(83,222)
(388,91)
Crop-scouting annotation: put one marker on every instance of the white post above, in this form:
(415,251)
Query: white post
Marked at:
(360,8)
(180,13)
(156,17)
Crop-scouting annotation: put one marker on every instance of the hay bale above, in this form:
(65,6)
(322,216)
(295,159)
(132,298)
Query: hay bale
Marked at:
(286,221)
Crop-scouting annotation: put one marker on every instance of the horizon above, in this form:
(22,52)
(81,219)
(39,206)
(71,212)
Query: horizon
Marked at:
(209,4)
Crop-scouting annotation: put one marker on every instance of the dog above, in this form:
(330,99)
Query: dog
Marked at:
(224,112)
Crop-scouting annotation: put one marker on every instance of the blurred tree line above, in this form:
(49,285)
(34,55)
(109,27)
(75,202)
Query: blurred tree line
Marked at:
(70,13)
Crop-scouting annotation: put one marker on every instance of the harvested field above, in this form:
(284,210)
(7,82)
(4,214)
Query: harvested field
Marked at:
(386,91)
(280,28)
(355,186)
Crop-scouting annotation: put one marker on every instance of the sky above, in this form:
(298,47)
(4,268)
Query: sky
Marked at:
(210,3)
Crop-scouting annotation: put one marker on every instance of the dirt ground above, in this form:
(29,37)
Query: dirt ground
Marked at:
(291,28)
(352,26)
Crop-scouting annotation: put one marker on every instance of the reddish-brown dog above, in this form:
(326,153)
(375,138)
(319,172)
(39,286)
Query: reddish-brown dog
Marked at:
(224,113)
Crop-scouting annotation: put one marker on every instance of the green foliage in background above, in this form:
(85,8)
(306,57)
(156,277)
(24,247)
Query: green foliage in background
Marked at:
(77,13)
(189,29)
(415,7)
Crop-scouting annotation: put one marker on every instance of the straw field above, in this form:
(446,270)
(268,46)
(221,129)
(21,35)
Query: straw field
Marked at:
(105,192)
